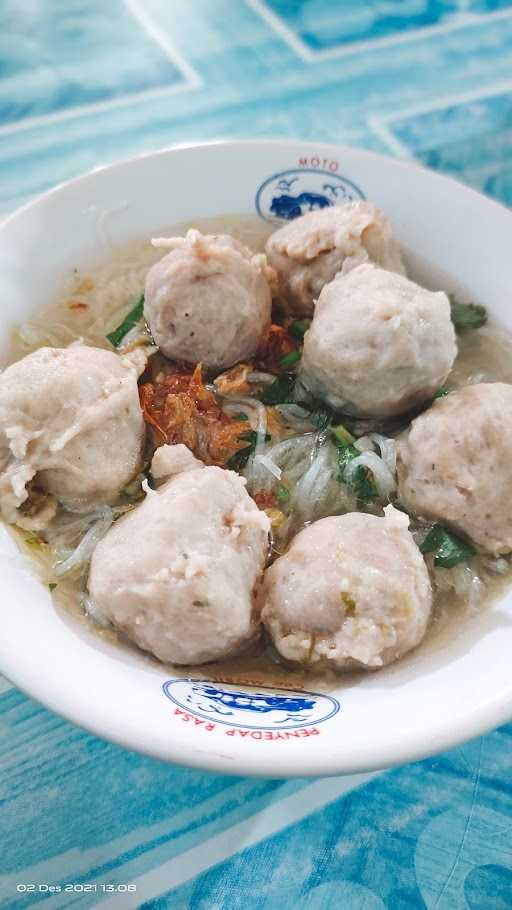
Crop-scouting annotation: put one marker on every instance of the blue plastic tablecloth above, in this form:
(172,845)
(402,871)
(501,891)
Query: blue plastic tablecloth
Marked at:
(84,82)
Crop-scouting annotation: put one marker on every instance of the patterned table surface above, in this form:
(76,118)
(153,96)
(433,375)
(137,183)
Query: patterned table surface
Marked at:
(84,82)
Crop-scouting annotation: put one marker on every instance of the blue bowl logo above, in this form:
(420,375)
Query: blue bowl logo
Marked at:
(254,709)
(292,193)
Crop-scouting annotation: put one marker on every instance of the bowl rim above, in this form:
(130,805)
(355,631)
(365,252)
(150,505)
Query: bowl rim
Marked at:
(447,737)
(406,164)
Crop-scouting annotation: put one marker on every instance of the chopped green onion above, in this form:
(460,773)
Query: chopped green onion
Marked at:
(240,416)
(133,317)
(342,435)
(299,328)
(238,461)
(349,604)
(280,391)
(449,549)
(290,360)
(283,494)
(467,315)
(52,586)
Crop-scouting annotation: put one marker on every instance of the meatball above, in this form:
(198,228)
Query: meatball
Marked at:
(208,301)
(352,591)
(71,429)
(310,251)
(379,344)
(455,464)
(178,575)
(169,460)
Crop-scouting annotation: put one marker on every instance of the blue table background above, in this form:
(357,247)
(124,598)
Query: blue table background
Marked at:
(84,82)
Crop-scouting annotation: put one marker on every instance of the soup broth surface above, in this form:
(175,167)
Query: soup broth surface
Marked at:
(93,303)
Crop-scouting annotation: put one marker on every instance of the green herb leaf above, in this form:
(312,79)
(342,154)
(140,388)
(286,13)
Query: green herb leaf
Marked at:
(299,328)
(133,317)
(362,480)
(363,483)
(321,417)
(52,586)
(442,392)
(280,391)
(287,389)
(283,494)
(238,461)
(467,315)
(240,416)
(346,454)
(449,549)
(290,360)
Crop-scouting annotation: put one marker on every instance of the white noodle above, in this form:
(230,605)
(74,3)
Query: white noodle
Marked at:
(292,411)
(91,609)
(383,477)
(270,465)
(317,493)
(317,475)
(463,580)
(255,472)
(364,444)
(387,448)
(294,456)
(81,555)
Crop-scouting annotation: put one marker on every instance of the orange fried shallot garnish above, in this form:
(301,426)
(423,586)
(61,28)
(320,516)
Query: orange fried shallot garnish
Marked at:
(274,347)
(265,499)
(180,409)
(234,381)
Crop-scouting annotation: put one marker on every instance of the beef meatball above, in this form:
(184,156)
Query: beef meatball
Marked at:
(71,429)
(178,575)
(311,250)
(455,464)
(352,591)
(169,460)
(208,301)
(379,344)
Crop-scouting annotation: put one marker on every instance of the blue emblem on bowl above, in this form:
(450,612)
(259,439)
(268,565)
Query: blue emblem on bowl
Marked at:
(254,709)
(292,193)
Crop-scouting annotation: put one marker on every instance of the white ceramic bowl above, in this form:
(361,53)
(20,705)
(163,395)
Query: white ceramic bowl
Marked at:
(445,693)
